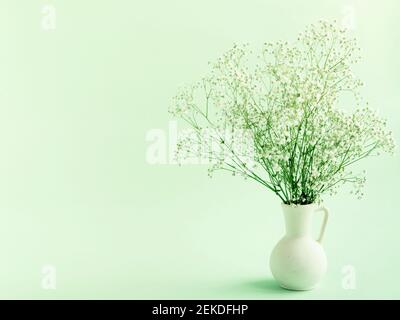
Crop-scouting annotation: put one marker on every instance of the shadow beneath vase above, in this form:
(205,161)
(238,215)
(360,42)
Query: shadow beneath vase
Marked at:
(261,286)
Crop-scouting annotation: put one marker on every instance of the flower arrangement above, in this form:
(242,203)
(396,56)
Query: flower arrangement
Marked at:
(281,107)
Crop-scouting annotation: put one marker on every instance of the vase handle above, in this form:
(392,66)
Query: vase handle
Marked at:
(326,214)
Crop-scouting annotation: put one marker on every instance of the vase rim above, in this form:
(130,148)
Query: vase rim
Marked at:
(284,205)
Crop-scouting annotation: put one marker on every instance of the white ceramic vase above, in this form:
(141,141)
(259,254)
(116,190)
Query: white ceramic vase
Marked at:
(298,261)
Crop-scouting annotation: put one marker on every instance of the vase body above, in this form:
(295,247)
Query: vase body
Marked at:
(298,261)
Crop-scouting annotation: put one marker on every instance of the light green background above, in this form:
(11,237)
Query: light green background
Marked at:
(77,193)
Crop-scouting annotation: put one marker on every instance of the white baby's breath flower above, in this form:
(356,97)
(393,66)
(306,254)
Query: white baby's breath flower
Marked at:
(302,143)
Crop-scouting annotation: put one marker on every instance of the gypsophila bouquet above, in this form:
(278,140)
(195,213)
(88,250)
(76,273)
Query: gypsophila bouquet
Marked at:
(282,111)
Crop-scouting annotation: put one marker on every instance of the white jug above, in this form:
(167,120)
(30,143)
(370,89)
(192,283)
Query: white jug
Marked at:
(298,261)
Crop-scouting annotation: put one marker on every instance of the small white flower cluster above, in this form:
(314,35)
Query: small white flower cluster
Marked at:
(288,102)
